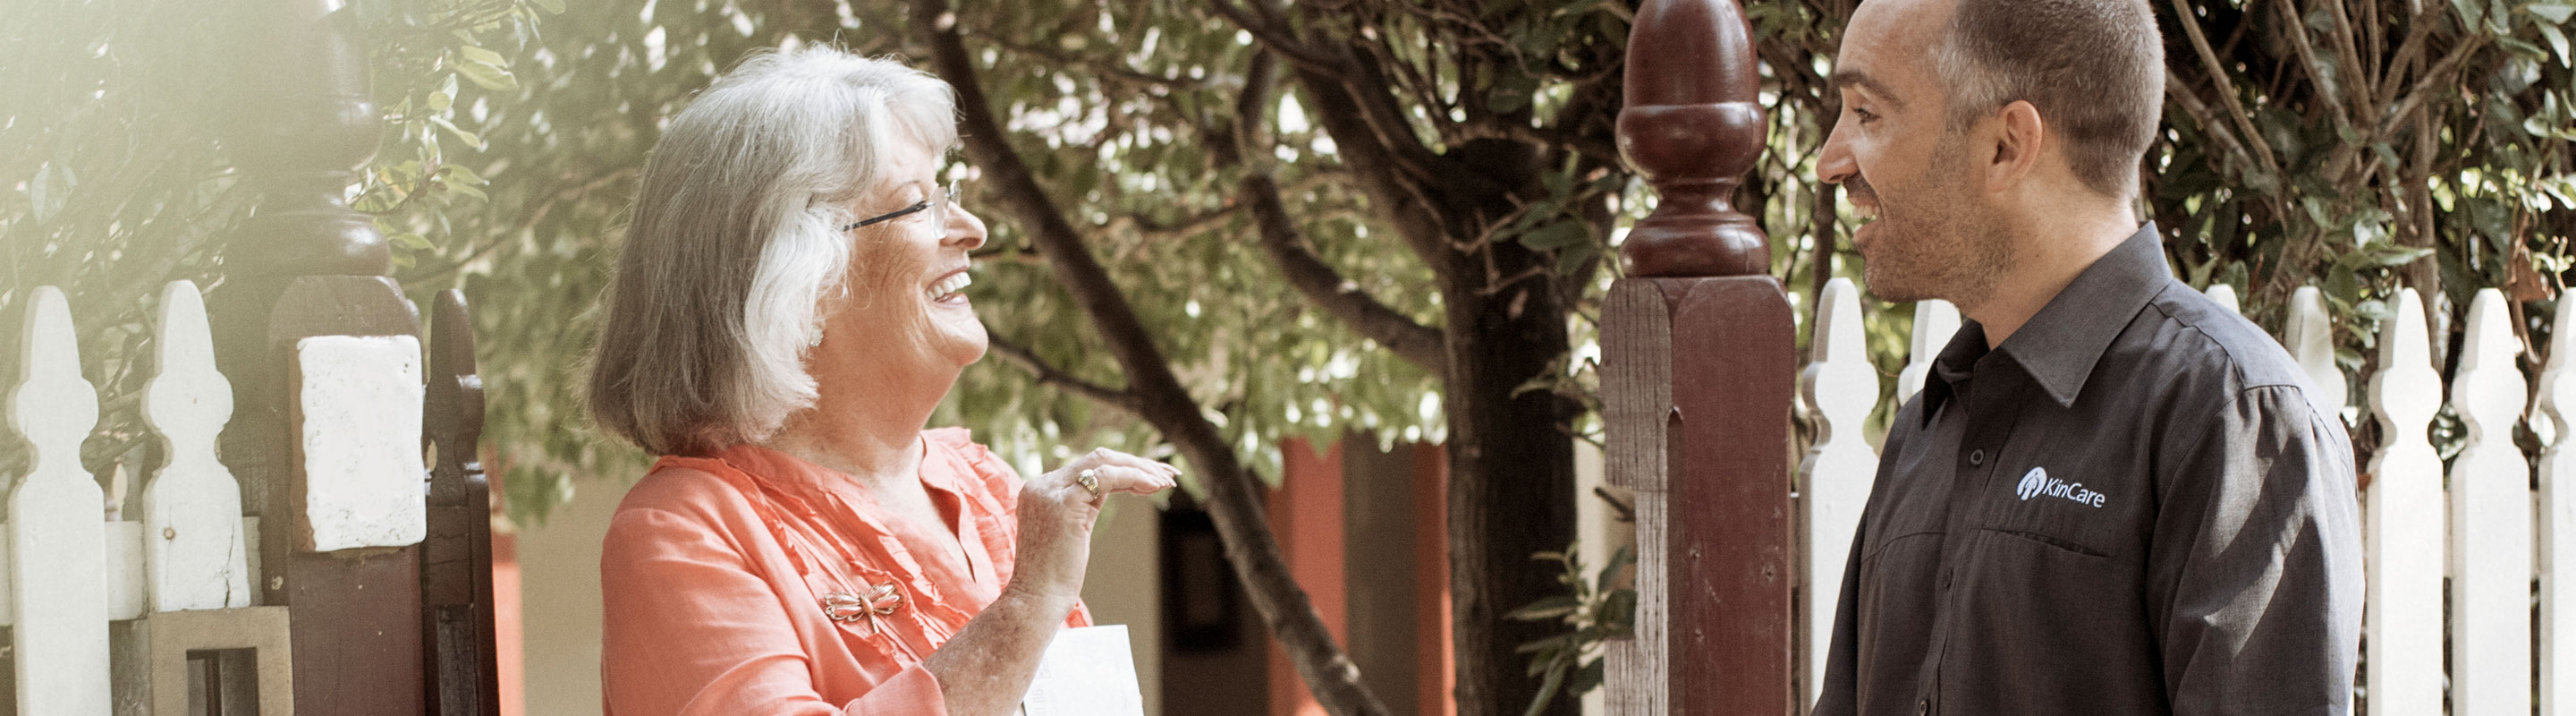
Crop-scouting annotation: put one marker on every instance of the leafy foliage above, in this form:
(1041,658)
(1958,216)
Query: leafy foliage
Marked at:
(113,123)
(1595,608)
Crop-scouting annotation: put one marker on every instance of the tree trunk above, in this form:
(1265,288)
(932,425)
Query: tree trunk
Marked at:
(1511,474)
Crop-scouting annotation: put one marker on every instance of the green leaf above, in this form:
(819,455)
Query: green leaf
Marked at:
(2557,41)
(2555,13)
(487,76)
(471,53)
(468,137)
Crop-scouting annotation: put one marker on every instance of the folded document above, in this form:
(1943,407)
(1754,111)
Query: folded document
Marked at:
(1087,672)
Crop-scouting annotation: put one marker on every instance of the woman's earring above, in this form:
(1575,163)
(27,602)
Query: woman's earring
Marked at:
(814,335)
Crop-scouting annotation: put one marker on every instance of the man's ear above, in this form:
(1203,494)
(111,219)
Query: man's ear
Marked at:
(2017,146)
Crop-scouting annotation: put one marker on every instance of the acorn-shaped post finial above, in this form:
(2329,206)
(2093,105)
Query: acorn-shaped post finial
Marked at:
(1692,127)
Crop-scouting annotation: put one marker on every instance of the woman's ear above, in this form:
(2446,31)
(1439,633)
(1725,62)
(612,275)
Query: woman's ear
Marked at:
(2018,139)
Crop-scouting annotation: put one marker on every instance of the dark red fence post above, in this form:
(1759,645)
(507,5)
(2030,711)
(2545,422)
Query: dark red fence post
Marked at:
(305,266)
(1698,374)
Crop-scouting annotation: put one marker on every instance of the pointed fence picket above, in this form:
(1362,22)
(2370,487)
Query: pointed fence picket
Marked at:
(2402,523)
(104,614)
(1840,387)
(57,528)
(2225,295)
(2490,532)
(2481,532)
(1934,321)
(2557,520)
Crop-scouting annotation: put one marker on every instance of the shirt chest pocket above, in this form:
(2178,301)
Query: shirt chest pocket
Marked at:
(2080,513)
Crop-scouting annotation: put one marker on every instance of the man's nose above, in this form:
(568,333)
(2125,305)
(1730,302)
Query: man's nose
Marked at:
(1834,163)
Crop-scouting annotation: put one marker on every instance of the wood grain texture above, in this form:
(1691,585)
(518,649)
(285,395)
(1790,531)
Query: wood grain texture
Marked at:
(1714,533)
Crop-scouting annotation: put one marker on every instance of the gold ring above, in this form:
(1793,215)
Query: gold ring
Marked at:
(1089,479)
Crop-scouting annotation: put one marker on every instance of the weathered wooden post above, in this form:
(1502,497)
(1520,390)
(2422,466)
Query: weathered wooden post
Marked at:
(1697,382)
(319,344)
(456,559)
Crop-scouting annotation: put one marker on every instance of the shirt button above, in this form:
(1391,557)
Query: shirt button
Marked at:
(1977,456)
(1923,708)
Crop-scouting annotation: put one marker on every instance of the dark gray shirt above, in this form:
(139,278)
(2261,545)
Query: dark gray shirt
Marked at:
(2127,508)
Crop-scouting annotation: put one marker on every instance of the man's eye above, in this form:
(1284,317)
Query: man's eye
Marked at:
(1866,116)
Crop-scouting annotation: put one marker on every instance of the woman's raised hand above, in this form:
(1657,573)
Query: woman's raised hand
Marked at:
(1056,513)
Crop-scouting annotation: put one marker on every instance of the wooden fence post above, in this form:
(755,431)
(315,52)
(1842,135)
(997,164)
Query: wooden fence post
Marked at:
(1697,383)
(2490,522)
(456,559)
(2403,532)
(305,268)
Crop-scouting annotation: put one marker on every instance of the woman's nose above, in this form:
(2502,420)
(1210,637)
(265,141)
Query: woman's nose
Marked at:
(964,230)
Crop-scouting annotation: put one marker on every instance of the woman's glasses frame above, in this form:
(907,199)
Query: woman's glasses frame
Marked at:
(937,204)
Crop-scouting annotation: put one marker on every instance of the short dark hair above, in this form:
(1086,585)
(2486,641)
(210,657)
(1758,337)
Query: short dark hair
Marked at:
(2094,69)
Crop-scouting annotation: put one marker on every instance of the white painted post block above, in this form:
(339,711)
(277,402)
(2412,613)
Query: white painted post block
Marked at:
(2556,401)
(1935,320)
(57,525)
(2490,522)
(1842,386)
(192,508)
(358,455)
(2403,545)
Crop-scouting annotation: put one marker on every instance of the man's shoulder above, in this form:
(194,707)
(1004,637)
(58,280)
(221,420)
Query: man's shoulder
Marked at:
(2185,338)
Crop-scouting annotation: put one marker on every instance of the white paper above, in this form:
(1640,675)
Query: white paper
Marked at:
(1089,671)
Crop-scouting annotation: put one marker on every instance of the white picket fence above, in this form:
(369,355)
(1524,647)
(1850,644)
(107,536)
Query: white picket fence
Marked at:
(2496,539)
(182,576)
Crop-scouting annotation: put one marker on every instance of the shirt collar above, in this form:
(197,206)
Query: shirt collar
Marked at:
(2059,346)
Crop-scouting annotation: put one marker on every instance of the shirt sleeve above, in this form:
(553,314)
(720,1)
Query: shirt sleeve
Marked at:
(690,630)
(2254,576)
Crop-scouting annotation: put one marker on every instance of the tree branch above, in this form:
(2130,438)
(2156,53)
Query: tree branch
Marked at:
(1047,374)
(1234,495)
(1277,38)
(1327,289)
(1306,271)
(2227,92)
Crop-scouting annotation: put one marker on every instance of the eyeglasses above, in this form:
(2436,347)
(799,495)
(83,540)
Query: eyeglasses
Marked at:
(937,204)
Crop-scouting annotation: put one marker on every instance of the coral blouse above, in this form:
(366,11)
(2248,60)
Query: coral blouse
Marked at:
(716,571)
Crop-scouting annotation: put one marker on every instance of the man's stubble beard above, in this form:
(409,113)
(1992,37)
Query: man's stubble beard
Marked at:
(1944,243)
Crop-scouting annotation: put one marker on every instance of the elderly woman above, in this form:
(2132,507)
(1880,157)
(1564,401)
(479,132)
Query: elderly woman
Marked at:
(785,317)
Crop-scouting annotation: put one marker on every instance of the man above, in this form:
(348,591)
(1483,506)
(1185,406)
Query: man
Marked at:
(2111,496)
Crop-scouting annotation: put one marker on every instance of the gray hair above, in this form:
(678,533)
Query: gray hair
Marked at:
(735,243)
(2095,70)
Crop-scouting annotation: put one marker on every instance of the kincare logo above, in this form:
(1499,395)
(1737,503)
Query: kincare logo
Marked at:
(2037,483)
